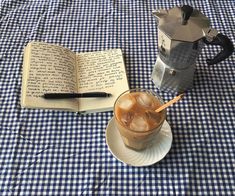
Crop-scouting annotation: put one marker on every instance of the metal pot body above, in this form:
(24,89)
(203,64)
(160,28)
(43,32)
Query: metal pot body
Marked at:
(178,54)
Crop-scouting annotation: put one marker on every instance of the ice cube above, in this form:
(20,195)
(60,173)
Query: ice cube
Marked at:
(154,117)
(126,102)
(139,123)
(145,100)
(126,118)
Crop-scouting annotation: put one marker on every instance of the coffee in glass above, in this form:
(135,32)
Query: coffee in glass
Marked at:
(136,119)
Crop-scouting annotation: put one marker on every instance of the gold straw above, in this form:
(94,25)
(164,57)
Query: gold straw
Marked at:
(169,103)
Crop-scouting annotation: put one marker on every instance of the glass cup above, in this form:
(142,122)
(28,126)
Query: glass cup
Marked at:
(136,119)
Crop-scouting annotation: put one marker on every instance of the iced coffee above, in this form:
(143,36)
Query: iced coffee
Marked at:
(136,119)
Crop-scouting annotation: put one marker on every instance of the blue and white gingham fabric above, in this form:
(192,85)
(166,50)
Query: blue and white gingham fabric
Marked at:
(46,153)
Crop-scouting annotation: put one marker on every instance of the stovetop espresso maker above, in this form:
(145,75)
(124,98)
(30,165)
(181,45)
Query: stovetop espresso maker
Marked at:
(182,33)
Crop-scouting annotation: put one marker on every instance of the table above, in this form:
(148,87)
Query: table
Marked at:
(44,152)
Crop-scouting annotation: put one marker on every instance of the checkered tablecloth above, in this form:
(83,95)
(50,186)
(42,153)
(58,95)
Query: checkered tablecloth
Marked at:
(44,152)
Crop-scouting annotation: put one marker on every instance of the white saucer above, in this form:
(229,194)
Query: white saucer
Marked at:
(145,157)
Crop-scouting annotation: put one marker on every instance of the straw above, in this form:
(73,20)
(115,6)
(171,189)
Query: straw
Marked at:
(169,103)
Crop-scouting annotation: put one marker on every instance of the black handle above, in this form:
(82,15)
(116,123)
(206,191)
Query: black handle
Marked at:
(186,12)
(227,48)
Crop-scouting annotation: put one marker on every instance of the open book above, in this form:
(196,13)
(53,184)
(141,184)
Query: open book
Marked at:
(50,68)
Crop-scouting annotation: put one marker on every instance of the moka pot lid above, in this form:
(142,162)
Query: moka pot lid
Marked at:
(182,23)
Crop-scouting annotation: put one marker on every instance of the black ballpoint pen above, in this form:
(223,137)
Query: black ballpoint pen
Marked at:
(75,95)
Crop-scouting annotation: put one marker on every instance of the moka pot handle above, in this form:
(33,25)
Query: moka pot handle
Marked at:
(225,43)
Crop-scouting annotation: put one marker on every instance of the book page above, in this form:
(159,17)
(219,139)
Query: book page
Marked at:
(51,68)
(100,71)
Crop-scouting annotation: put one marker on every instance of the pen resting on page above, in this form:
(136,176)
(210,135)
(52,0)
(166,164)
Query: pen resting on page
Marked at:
(76,95)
